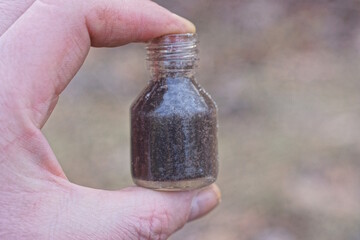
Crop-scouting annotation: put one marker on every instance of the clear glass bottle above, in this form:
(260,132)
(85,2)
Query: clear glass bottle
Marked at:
(173,121)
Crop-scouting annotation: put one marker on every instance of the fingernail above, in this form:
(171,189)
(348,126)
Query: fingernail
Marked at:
(205,201)
(189,26)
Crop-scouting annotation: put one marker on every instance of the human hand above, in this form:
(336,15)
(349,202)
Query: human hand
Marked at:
(43,43)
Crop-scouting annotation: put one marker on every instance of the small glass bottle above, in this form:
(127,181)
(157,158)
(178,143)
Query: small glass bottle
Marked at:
(173,121)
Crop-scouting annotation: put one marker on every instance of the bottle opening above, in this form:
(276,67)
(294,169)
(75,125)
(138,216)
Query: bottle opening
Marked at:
(173,53)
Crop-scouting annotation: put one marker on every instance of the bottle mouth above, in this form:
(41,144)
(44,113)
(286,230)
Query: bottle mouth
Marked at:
(173,39)
(172,47)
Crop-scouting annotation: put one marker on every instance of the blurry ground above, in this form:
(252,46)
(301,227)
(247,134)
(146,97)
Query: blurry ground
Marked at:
(285,75)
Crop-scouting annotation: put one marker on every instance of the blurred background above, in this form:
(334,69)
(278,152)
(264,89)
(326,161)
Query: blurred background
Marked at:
(285,75)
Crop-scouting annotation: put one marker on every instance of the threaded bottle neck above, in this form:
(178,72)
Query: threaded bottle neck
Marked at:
(172,55)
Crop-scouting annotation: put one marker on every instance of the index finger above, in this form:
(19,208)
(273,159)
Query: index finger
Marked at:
(45,47)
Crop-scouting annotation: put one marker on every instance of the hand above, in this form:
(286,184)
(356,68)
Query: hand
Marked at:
(42,45)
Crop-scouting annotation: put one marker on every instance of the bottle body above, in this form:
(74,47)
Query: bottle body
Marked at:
(174,134)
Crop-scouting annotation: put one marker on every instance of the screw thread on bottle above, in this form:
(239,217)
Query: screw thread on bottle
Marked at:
(174,54)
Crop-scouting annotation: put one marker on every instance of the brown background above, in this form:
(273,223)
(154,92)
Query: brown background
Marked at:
(285,75)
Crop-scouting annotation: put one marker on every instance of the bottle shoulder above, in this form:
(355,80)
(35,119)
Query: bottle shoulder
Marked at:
(173,96)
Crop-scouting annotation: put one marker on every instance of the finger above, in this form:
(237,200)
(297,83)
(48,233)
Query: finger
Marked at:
(180,207)
(112,24)
(11,10)
(138,213)
(46,46)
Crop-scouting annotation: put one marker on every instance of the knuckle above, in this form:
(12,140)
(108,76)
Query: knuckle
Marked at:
(154,225)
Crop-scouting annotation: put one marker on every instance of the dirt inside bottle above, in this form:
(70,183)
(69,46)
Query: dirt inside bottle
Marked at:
(174,133)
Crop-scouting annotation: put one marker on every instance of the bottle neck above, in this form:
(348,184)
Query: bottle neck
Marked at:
(174,55)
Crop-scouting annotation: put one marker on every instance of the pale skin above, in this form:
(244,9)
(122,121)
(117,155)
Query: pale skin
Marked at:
(43,44)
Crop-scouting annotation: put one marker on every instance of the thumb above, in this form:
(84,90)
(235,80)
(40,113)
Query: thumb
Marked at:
(138,213)
(167,212)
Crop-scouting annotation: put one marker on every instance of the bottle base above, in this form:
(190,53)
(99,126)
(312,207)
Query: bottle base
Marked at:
(182,185)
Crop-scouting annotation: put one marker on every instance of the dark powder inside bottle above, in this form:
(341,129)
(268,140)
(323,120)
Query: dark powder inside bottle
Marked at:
(174,128)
